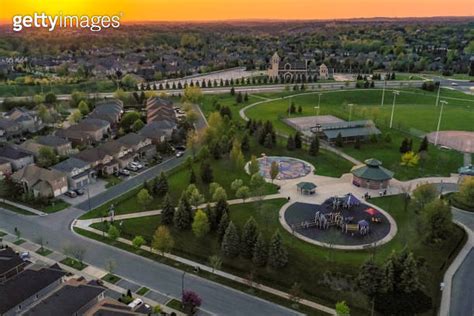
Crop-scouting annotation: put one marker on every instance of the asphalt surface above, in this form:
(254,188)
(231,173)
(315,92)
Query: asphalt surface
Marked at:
(462,288)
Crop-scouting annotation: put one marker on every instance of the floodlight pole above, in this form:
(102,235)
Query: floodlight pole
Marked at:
(439,120)
(395,93)
(437,96)
(383,91)
(350,111)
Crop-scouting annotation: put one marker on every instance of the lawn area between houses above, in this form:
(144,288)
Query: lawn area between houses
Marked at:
(325,274)
(73,263)
(15,209)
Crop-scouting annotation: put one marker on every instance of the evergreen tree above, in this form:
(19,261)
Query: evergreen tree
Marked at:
(216,151)
(211,216)
(314,146)
(277,254)
(192,176)
(167,212)
(249,238)
(232,91)
(357,143)
(268,142)
(369,280)
(239,98)
(409,278)
(161,186)
(183,217)
(298,140)
(292,107)
(260,252)
(423,145)
(206,172)
(246,97)
(290,144)
(230,242)
(339,140)
(221,208)
(223,224)
(245,146)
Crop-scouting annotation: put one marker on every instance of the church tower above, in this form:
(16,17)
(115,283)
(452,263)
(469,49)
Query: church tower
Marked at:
(274,65)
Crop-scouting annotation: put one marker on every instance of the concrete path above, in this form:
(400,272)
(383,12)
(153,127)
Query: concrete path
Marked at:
(24,207)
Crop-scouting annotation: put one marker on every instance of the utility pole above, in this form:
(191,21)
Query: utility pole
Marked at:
(395,93)
(383,91)
(439,120)
(350,105)
(437,96)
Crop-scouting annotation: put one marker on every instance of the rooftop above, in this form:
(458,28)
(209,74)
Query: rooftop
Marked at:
(9,260)
(372,170)
(70,164)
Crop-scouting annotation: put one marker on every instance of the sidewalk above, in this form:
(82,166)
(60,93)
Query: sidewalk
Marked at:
(24,207)
(220,273)
(89,273)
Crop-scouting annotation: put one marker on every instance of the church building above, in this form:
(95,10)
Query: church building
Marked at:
(287,70)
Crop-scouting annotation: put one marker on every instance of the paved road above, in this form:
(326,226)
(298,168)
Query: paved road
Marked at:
(217,298)
(462,288)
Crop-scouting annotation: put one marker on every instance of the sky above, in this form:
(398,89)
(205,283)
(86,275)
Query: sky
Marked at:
(203,10)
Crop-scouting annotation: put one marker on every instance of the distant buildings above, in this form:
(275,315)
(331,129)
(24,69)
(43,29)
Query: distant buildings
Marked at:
(290,69)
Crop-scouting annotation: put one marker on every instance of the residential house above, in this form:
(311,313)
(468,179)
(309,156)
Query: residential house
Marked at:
(99,160)
(86,132)
(27,287)
(159,131)
(10,264)
(159,109)
(31,146)
(110,110)
(9,129)
(78,172)
(59,145)
(5,167)
(28,120)
(18,157)
(142,146)
(121,153)
(40,181)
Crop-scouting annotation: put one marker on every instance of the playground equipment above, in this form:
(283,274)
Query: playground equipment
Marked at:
(362,227)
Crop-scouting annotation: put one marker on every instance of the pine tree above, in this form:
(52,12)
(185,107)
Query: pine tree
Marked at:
(369,280)
(290,144)
(206,172)
(231,241)
(183,217)
(300,109)
(167,212)
(211,216)
(192,177)
(239,98)
(423,145)
(298,140)
(339,140)
(161,186)
(409,277)
(246,97)
(268,142)
(357,143)
(249,238)
(223,224)
(260,252)
(314,146)
(277,254)
(245,146)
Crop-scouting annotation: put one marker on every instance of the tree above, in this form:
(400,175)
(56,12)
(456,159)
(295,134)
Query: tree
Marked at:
(423,145)
(339,140)
(410,159)
(193,195)
(138,241)
(50,98)
(232,91)
(260,252)
(342,309)
(409,277)
(236,184)
(83,107)
(137,125)
(437,222)
(192,94)
(75,117)
(466,190)
(268,142)
(231,241)
(128,119)
(219,194)
(314,146)
(162,240)
(236,155)
(290,143)
(183,216)
(167,212)
(254,166)
(277,254)
(191,301)
(144,198)
(200,224)
(298,140)
(223,224)
(161,185)
(369,279)
(423,195)
(239,97)
(215,262)
(257,181)
(243,193)
(405,146)
(113,233)
(274,170)
(129,81)
(192,141)
(249,238)
(46,157)
(206,172)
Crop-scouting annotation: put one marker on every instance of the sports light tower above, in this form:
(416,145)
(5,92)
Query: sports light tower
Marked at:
(443,102)
(395,93)
(350,105)
(383,90)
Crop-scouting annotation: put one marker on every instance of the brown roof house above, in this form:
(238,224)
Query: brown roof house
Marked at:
(110,110)
(59,145)
(28,120)
(41,182)
(123,154)
(86,132)
(99,160)
(141,145)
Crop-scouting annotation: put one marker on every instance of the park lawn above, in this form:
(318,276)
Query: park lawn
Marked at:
(178,180)
(224,99)
(309,264)
(62,88)
(73,263)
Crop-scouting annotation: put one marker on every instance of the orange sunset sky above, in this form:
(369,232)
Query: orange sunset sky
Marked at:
(179,10)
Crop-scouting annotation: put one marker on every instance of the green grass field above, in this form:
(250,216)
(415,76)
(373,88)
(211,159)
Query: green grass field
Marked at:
(309,264)
(29,90)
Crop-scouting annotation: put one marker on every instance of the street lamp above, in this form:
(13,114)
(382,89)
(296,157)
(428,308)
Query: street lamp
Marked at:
(383,91)
(395,93)
(443,102)
(437,96)
(350,105)
(182,282)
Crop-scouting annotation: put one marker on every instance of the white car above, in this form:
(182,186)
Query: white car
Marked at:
(454,84)
(179,154)
(136,164)
(136,302)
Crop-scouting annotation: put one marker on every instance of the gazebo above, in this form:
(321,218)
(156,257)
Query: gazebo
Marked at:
(371,175)
(306,188)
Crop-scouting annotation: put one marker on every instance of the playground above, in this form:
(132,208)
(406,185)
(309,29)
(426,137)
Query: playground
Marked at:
(289,168)
(338,221)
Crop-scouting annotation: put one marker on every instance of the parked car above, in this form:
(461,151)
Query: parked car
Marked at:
(124,172)
(132,167)
(24,255)
(454,84)
(79,191)
(70,194)
(179,154)
(137,164)
(136,302)
(180,148)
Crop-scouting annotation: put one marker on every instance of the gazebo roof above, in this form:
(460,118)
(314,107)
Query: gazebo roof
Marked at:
(306,186)
(372,170)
